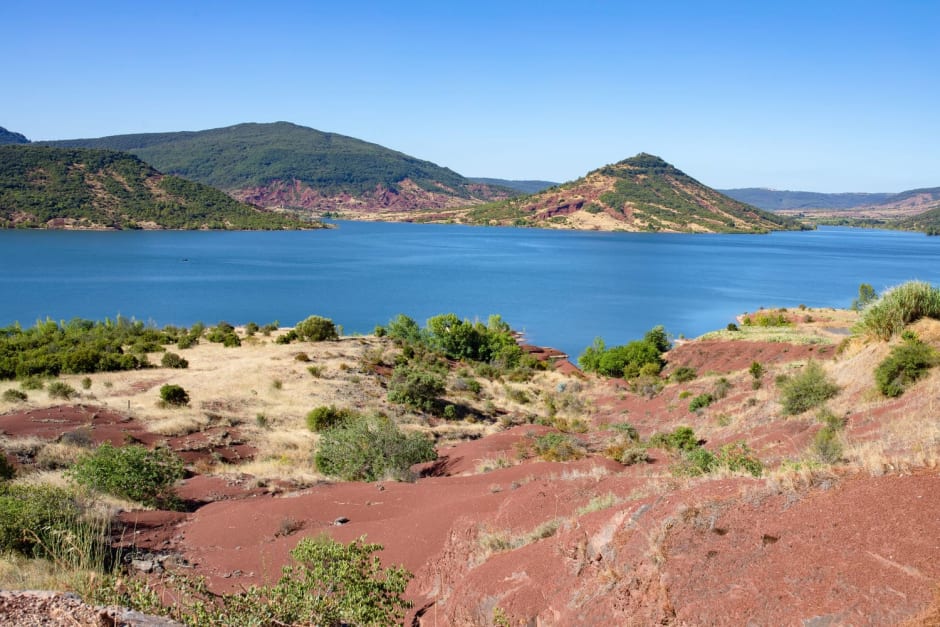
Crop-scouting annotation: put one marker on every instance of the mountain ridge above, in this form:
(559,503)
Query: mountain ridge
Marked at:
(285,164)
(80,188)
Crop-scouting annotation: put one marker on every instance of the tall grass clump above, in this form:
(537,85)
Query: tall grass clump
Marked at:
(898,307)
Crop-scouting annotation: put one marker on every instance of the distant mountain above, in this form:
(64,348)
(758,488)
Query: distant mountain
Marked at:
(47,187)
(781,200)
(282,164)
(928,222)
(526,187)
(9,137)
(642,193)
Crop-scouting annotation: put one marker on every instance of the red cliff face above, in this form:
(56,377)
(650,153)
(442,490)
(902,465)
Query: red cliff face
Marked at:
(409,196)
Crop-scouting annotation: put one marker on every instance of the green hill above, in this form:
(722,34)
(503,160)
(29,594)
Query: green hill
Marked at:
(84,188)
(525,187)
(285,164)
(642,193)
(777,200)
(9,137)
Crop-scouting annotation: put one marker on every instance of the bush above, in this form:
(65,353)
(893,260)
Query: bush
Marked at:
(809,389)
(557,447)
(172,360)
(224,334)
(627,430)
(681,439)
(32,383)
(61,389)
(414,387)
(634,455)
(827,445)
(12,395)
(131,472)
(628,360)
(906,364)
(31,517)
(899,307)
(684,374)
(766,319)
(866,296)
(316,329)
(328,416)
(738,457)
(701,401)
(369,449)
(174,395)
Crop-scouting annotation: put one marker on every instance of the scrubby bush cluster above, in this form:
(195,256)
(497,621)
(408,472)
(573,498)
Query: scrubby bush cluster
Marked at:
(132,472)
(371,448)
(328,416)
(174,395)
(907,363)
(898,307)
(311,329)
(806,390)
(79,346)
(172,360)
(695,460)
(224,334)
(640,357)
(766,319)
(31,517)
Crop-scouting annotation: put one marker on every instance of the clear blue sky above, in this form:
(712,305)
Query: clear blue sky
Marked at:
(822,95)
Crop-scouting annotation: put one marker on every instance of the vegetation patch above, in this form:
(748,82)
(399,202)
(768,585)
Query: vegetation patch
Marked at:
(907,363)
(806,390)
(132,472)
(371,448)
(887,316)
(640,357)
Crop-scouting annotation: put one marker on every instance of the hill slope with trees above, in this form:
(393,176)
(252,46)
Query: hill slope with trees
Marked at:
(642,193)
(9,137)
(42,187)
(283,164)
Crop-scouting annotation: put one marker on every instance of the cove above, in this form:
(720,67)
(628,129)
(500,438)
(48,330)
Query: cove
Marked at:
(562,288)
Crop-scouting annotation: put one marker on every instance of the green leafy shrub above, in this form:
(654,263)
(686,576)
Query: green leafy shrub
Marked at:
(557,447)
(286,338)
(827,445)
(766,319)
(32,383)
(681,439)
(683,374)
(627,430)
(316,329)
(174,395)
(12,395)
(172,360)
(132,472)
(31,517)
(328,416)
(224,334)
(721,388)
(906,363)
(738,457)
(806,390)
(898,307)
(61,390)
(369,449)
(756,370)
(628,360)
(415,387)
(701,401)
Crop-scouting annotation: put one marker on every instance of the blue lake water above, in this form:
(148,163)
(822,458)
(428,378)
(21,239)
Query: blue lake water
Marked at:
(561,288)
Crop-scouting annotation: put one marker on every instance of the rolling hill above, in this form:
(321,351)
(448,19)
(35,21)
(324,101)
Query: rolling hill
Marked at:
(43,187)
(777,199)
(526,187)
(642,193)
(9,137)
(283,164)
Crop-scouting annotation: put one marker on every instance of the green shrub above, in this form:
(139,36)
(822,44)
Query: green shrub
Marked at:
(251,328)
(694,462)
(634,455)
(806,390)
(328,416)
(766,319)
(12,395)
(721,389)
(866,296)
(827,445)
(732,327)
(224,334)
(899,307)
(701,401)
(316,329)
(369,449)
(172,360)
(286,338)
(557,447)
(627,360)
(326,583)
(683,374)
(31,517)
(627,430)
(415,388)
(681,439)
(131,472)
(404,330)
(905,364)
(738,457)
(756,371)
(61,389)
(32,383)
(174,395)
(86,383)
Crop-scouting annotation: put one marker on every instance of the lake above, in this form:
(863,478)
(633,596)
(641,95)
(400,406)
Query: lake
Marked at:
(561,288)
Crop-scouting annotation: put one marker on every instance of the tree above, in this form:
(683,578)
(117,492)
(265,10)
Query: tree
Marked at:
(368,449)
(866,295)
(316,329)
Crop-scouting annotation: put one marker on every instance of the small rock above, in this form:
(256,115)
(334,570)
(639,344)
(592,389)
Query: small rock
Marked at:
(342,520)
(144,566)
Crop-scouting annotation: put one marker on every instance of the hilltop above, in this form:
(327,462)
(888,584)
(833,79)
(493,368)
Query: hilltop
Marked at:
(9,137)
(767,459)
(90,189)
(524,186)
(777,199)
(642,193)
(285,165)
